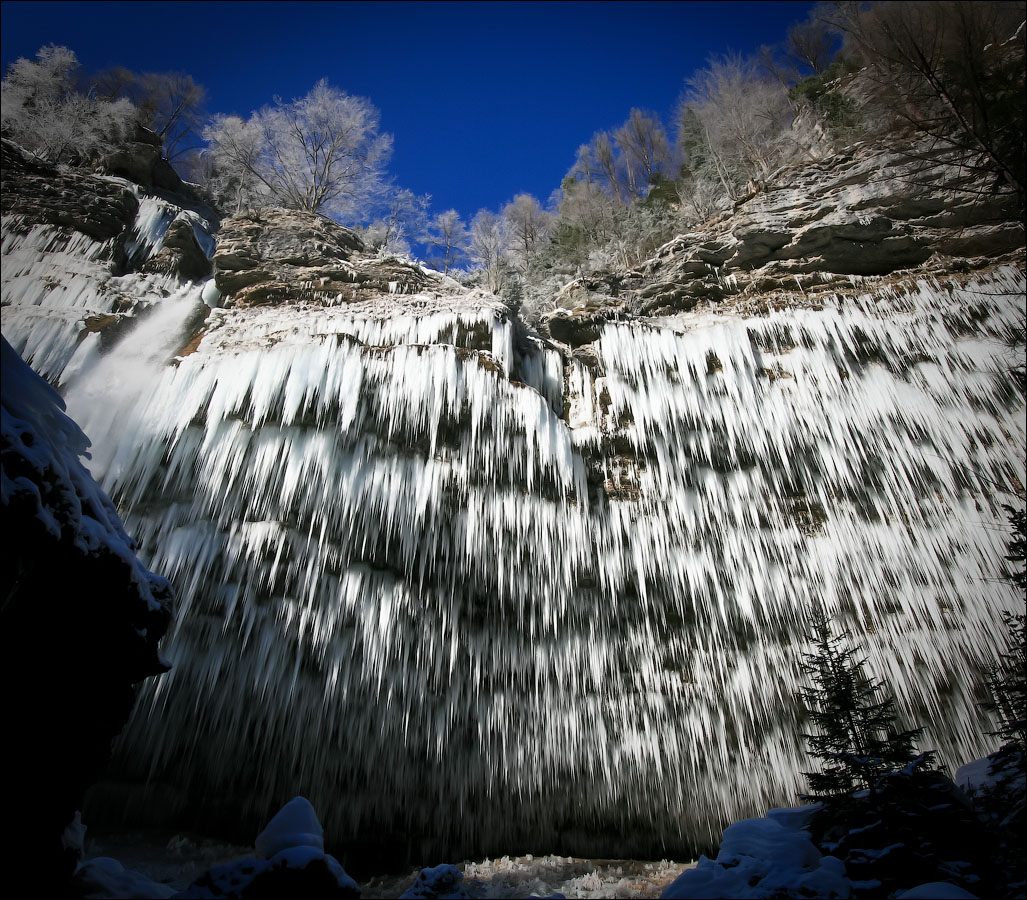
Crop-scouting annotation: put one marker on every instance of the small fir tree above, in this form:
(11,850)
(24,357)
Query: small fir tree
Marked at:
(856,743)
(1007,681)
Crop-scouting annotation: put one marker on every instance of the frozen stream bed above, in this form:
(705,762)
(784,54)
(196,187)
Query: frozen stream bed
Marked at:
(174,860)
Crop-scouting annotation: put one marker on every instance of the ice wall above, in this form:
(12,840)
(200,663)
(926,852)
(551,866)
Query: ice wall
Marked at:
(490,601)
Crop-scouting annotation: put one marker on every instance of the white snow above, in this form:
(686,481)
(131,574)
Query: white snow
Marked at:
(765,857)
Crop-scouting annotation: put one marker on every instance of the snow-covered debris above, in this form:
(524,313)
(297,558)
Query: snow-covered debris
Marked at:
(437,883)
(104,878)
(936,890)
(766,857)
(294,864)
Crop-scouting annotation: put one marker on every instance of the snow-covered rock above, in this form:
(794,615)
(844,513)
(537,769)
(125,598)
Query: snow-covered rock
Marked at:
(104,878)
(437,883)
(294,825)
(82,620)
(765,857)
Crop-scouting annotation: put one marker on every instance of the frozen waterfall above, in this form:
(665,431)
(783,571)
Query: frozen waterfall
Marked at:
(414,592)
(479,598)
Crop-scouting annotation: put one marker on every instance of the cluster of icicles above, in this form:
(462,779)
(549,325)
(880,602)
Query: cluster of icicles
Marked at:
(451,585)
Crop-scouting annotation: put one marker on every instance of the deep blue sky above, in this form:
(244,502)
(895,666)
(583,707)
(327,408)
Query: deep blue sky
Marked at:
(484,99)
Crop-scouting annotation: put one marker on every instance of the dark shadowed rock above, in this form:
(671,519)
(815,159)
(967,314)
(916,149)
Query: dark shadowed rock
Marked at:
(141,161)
(80,624)
(180,254)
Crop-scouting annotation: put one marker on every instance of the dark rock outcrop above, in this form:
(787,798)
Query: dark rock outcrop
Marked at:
(42,194)
(180,254)
(80,624)
(141,161)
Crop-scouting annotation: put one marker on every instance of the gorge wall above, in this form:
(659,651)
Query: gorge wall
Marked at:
(473,589)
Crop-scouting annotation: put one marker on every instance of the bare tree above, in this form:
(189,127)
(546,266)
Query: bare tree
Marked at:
(954,71)
(744,115)
(322,152)
(172,104)
(169,103)
(447,233)
(599,163)
(811,44)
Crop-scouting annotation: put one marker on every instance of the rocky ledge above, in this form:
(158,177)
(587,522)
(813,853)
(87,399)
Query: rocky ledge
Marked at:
(816,227)
(282,255)
(44,195)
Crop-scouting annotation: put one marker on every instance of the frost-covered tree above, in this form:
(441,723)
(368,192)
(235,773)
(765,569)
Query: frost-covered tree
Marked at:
(402,216)
(323,152)
(528,226)
(487,247)
(448,235)
(856,740)
(44,111)
(169,103)
(233,160)
(645,149)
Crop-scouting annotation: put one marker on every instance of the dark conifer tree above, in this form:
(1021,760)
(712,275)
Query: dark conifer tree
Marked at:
(1007,681)
(856,741)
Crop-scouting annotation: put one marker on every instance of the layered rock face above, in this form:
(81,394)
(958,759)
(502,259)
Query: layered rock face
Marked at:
(473,591)
(821,229)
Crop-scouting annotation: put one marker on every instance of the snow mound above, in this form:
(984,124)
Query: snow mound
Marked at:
(294,825)
(762,858)
(294,864)
(107,878)
(936,890)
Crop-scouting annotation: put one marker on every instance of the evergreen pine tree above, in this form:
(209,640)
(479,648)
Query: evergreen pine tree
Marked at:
(856,742)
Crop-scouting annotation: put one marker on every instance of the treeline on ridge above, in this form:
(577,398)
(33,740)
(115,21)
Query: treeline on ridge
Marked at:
(950,72)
